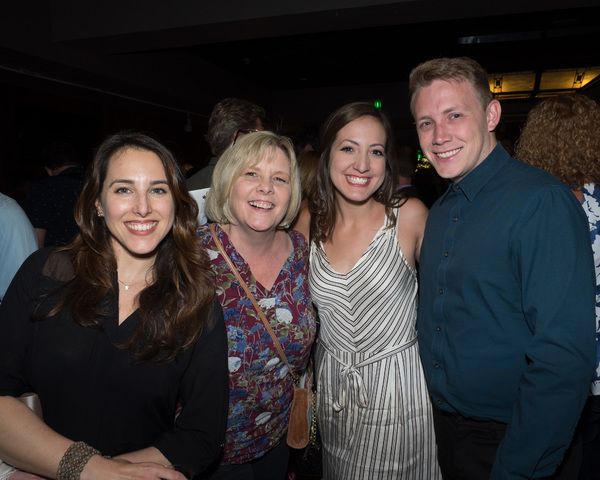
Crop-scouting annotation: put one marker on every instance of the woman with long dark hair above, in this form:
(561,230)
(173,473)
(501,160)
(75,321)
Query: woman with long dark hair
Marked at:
(373,406)
(114,330)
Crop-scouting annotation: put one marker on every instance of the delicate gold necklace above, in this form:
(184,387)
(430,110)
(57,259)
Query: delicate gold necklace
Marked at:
(127,287)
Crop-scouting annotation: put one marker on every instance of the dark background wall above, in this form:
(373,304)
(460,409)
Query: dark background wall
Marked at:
(76,71)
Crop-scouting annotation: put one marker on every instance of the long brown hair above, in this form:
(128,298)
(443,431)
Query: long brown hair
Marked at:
(322,204)
(173,309)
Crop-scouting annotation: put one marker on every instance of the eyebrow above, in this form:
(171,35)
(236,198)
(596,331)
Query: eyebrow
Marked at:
(446,111)
(354,142)
(131,182)
(453,109)
(256,167)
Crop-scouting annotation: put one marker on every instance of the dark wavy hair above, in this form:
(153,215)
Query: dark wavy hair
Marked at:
(561,137)
(175,307)
(322,205)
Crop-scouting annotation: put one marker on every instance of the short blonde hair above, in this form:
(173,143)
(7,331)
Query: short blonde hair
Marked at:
(248,151)
(459,69)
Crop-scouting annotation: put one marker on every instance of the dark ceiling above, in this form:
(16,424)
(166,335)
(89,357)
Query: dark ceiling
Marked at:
(84,69)
(537,41)
(299,60)
(327,43)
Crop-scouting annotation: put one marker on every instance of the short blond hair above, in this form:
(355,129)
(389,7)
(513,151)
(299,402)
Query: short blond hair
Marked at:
(458,69)
(248,151)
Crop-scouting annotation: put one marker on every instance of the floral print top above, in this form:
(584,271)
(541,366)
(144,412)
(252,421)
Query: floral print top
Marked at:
(260,387)
(591,205)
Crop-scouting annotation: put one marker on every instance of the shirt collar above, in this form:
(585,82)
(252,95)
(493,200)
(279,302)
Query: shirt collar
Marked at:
(481,175)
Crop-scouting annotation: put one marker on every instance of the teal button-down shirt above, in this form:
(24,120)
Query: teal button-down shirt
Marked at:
(506,314)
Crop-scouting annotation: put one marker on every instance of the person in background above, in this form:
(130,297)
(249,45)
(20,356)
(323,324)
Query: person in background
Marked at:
(17,240)
(114,330)
(306,139)
(373,407)
(506,312)
(230,119)
(255,194)
(406,166)
(561,137)
(50,201)
(308,166)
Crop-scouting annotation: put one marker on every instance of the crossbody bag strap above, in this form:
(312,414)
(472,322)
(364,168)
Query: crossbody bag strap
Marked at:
(253,300)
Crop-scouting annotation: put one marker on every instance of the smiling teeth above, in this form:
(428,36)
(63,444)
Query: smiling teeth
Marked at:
(448,154)
(140,227)
(357,180)
(263,205)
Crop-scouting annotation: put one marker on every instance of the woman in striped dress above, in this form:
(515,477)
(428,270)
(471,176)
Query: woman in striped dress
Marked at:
(373,405)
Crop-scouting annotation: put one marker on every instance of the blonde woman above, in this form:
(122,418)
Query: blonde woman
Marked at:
(255,194)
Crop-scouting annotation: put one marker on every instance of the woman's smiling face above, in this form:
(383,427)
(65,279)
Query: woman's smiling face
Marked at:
(136,202)
(261,195)
(357,165)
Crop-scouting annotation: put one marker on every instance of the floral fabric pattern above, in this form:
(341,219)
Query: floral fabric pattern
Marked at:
(260,386)
(591,206)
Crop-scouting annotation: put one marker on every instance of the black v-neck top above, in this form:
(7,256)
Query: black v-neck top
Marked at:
(92,391)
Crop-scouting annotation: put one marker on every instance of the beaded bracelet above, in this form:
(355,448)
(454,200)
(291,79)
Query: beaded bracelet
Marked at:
(74,459)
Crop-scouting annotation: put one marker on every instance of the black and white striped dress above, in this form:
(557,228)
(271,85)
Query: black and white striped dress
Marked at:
(373,404)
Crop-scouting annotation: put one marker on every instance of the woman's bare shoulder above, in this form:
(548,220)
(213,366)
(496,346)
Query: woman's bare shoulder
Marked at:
(411,209)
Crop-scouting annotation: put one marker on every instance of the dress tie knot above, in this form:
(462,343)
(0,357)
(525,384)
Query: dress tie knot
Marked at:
(351,379)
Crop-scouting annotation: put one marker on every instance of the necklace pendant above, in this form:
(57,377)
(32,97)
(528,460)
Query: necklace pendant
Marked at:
(126,287)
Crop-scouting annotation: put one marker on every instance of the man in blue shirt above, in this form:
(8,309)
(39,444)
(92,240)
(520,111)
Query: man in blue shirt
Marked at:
(506,311)
(17,240)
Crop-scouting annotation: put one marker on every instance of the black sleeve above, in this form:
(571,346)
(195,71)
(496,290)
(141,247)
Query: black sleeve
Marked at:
(199,433)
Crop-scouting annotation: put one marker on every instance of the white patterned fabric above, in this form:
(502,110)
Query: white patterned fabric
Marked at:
(373,405)
(591,206)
